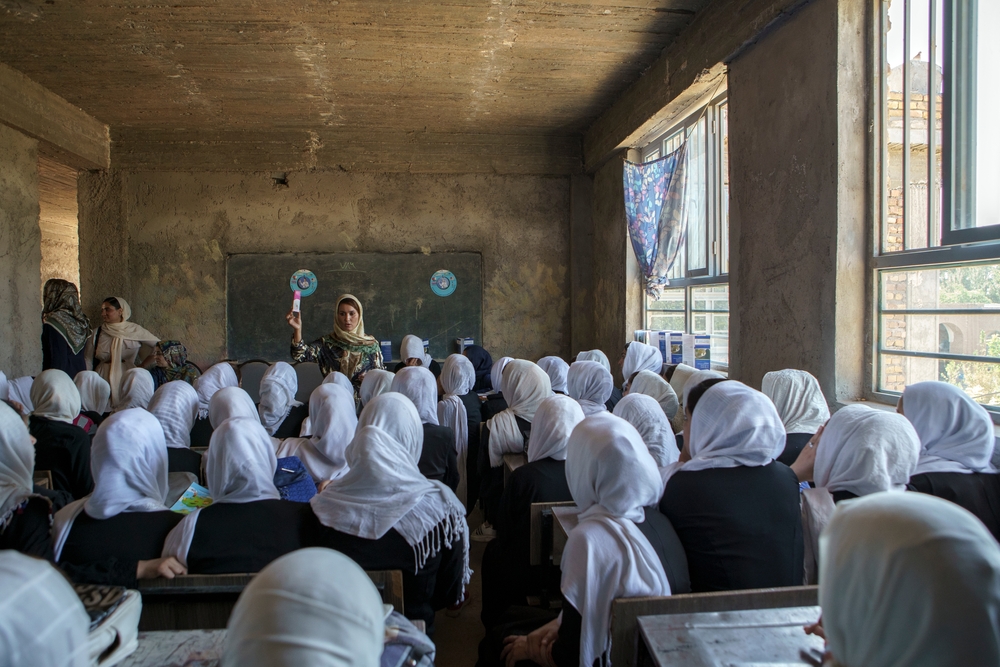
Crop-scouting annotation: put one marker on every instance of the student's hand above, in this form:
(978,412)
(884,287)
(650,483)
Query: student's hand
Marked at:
(540,643)
(322,485)
(806,461)
(515,649)
(816,628)
(168,567)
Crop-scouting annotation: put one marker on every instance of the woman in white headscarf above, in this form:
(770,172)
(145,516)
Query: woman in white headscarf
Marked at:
(175,406)
(640,357)
(595,355)
(800,404)
(19,391)
(280,413)
(678,376)
(608,555)
(229,403)
(43,620)
(247,525)
(376,383)
(136,389)
(957,441)
(496,402)
(385,513)
(507,575)
(115,345)
(590,384)
(311,607)
(95,395)
(342,381)
(60,447)
(129,498)
(412,353)
(859,452)
(909,579)
(24,516)
(654,386)
(459,410)
(734,507)
(333,418)
(646,415)
(219,376)
(439,458)
(557,370)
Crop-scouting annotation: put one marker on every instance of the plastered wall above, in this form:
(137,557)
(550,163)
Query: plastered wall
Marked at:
(160,240)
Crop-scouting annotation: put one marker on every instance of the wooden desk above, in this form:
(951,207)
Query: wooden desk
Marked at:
(512,462)
(751,637)
(543,531)
(564,520)
(175,648)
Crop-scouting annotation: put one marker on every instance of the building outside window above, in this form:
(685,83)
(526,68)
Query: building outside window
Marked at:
(697,297)
(937,247)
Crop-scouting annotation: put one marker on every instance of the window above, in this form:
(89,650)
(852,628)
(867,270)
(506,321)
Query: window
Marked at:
(937,255)
(697,298)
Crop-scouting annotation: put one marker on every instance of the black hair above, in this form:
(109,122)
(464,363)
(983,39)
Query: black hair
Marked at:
(113,302)
(631,378)
(668,373)
(699,390)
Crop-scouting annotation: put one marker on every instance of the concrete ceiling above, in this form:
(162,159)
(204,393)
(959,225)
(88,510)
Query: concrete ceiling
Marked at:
(278,71)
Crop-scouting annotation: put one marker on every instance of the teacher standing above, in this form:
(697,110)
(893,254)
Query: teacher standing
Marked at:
(113,348)
(347,349)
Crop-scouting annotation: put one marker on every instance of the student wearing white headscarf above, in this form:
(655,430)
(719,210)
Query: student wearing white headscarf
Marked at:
(311,607)
(43,620)
(228,403)
(507,574)
(25,516)
(334,419)
(859,452)
(247,525)
(280,413)
(175,406)
(4,386)
(590,384)
(136,389)
(800,404)
(646,415)
(60,447)
(653,385)
(95,395)
(557,370)
(459,410)
(412,353)
(385,514)
(621,547)
(957,441)
(496,402)
(602,359)
(129,498)
(219,376)
(909,579)
(19,391)
(640,357)
(735,508)
(439,458)
(342,381)
(376,383)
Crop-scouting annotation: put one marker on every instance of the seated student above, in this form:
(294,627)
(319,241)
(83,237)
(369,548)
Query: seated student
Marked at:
(376,383)
(118,531)
(217,377)
(647,417)
(654,386)
(859,452)
(342,381)
(495,402)
(19,391)
(590,384)
(311,607)
(95,395)
(136,390)
(734,507)
(25,516)
(412,354)
(60,447)
(439,458)
(170,357)
(247,525)
(175,406)
(557,370)
(617,550)
(602,359)
(228,403)
(693,380)
(507,574)
(386,515)
(333,419)
(280,413)
(909,579)
(483,363)
(800,404)
(459,410)
(43,620)
(957,441)
(526,386)
(640,357)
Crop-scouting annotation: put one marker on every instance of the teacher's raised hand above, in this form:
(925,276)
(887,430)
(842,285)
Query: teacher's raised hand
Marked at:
(295,321)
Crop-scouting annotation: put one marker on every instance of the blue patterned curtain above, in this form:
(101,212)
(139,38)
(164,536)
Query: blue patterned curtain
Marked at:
(654,203)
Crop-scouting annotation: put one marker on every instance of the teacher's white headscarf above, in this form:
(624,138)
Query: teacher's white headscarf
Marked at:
(956,433)
(95,392)
(458,377)
(418,385)
(555,419)
(591,385)
(277,395)
(557,370)
(136,391)
(909,580)
(525,386)
(175,405)
(798,398)
(120,332)
(217,377)
(55,397)
(334,419)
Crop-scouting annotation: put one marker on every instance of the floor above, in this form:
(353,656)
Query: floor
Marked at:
(458,638)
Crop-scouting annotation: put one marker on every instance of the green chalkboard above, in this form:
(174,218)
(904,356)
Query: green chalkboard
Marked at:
(394,289)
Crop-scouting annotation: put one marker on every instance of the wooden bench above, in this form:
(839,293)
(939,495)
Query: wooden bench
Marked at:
(204,601)
(43,479)
(625,612)
(512,462)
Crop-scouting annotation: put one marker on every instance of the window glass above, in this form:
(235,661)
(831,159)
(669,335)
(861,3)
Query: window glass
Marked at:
(724,204)
(697,199)
(987,144)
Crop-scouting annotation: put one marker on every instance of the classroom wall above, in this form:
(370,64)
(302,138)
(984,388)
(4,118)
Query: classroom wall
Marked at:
(160,239)
(20,256)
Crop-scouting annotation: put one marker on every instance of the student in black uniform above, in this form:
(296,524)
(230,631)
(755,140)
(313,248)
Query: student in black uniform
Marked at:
(95,396)
(280,413)
(175,406)
(483,363)
(386,515)
(439,458)
(120,528)
(217,377)
(247,525)
(25,517)
(60,447)
(333,419)
(507,574)
(411,351)
(618,549)
(735,509)
(800,404)
(459,410)
(956,435)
